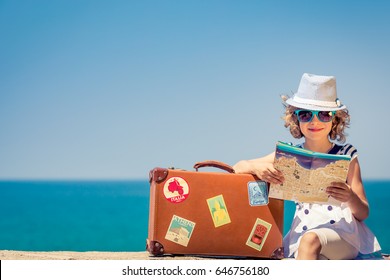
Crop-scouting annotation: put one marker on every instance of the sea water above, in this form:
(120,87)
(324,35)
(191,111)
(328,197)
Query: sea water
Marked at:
(112,215)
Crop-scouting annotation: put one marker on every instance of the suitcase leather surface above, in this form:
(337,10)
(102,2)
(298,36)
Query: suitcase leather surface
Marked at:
(213,214)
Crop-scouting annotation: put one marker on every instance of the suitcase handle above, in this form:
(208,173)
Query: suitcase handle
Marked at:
(214,163)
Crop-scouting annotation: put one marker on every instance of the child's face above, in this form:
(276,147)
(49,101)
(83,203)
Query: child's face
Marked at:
(315,129)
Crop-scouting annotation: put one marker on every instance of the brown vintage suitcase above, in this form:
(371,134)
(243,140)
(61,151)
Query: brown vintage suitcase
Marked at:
(213,214)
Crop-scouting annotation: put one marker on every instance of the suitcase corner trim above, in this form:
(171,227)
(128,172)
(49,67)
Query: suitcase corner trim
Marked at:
(154,247)
(158,174)
(278,253)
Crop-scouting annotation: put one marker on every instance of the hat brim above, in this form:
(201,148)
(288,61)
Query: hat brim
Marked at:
(292,102)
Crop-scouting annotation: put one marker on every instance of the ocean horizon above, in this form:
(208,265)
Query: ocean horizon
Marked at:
(112,215)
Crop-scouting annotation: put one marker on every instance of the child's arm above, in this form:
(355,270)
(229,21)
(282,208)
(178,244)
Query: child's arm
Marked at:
(263,168)
(352,192)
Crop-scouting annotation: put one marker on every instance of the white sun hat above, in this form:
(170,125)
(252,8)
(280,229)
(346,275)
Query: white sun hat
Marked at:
(316,93)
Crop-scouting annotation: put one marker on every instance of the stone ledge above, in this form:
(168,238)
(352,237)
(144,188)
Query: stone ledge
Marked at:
(70,255)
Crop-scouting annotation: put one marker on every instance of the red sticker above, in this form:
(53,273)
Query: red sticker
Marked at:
(176,190)
(259,234)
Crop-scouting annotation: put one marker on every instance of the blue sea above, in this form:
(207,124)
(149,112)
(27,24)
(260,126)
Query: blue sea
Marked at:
(112,215)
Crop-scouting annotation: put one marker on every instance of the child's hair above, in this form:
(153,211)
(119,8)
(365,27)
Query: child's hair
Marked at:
(340,121)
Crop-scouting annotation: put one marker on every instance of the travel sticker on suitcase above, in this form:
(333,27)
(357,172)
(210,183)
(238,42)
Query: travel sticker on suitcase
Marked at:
(176,189)
(218,210)
(180,230)
(259,234)
(258,193)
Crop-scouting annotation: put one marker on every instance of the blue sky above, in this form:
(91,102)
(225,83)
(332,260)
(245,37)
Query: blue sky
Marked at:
(111,89)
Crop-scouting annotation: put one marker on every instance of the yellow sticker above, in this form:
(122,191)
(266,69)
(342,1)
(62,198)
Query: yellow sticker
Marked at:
(218,210)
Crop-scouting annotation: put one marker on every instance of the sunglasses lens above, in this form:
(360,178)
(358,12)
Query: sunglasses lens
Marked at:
(325,116)
(305,116)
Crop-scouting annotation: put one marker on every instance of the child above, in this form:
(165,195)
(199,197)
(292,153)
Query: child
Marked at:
(321,231)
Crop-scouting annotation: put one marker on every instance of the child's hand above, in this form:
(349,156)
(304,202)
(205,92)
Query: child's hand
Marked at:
(340,191)
(268,173)
(263,170)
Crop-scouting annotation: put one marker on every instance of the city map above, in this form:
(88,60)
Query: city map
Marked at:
(307,174)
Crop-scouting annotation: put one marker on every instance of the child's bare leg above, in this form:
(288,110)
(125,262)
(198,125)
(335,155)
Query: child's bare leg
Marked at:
(309,247)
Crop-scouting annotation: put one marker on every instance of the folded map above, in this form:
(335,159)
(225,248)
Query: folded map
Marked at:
(307,174)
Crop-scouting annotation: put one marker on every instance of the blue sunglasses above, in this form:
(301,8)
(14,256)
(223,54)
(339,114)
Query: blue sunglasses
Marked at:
(308,115)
